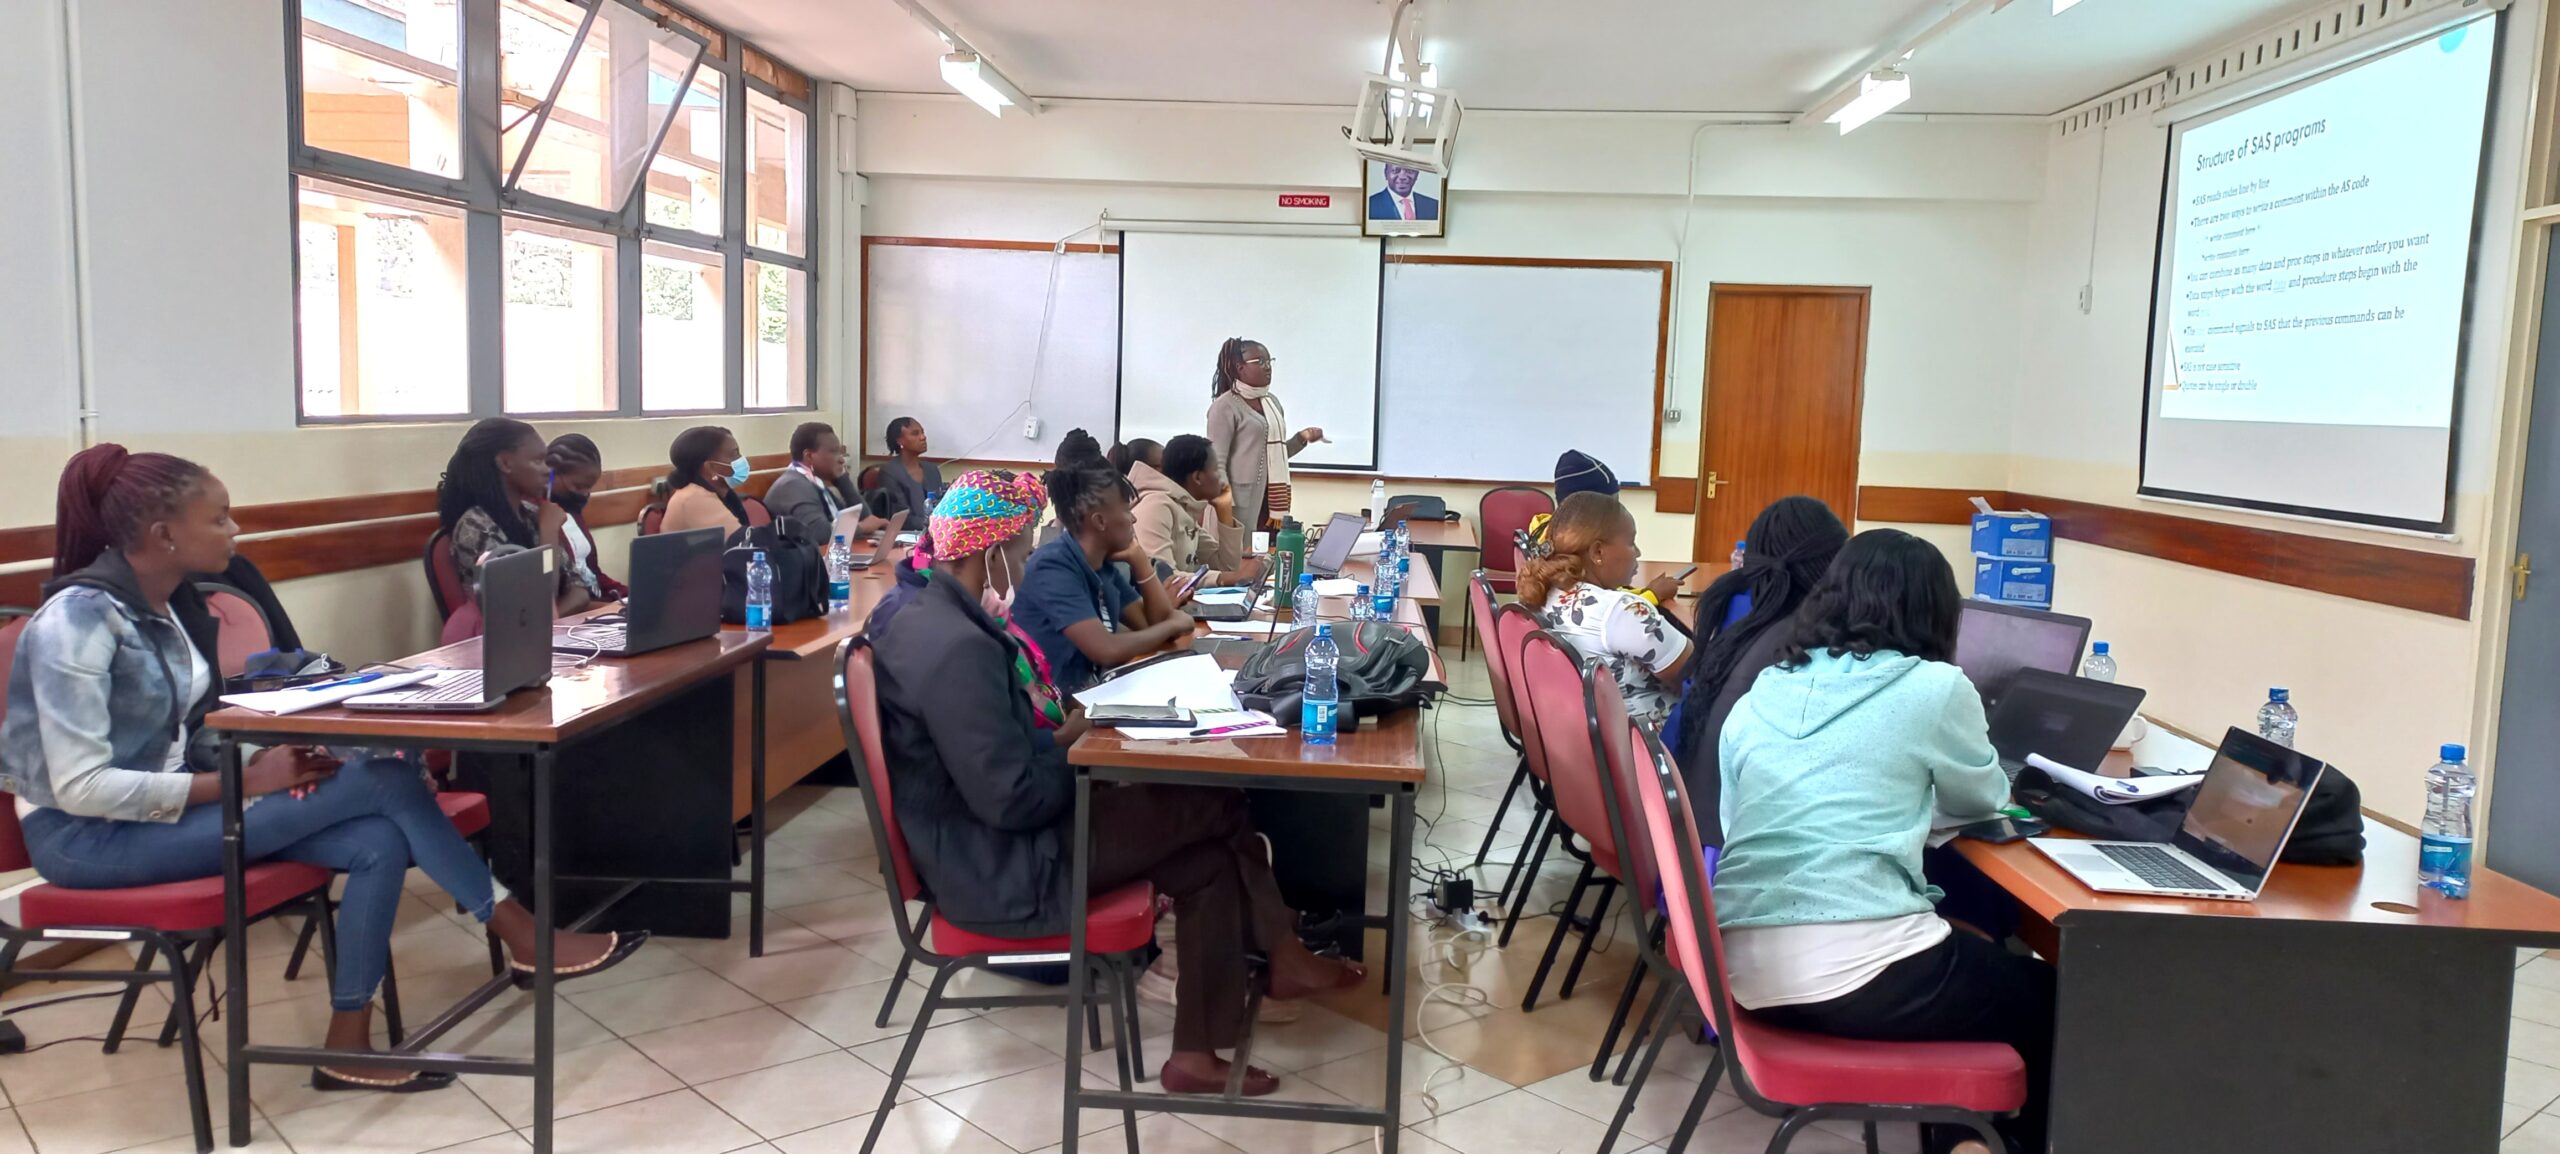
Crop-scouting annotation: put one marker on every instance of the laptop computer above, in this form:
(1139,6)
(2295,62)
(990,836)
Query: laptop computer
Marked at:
(867,550)
(2238,820)
(515,650)
(2071,720)
(675,598)
(1994,642)
(1333,550)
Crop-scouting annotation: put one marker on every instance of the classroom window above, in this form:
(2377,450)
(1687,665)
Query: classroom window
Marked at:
(777,336)
(683,331)
(380,81)
(458,258)
(777,175)
(382,293)
(560,320)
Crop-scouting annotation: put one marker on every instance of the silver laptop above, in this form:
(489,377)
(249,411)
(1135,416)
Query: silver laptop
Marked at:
(2238,820)
(1333,550)
(868,549)
(515,643)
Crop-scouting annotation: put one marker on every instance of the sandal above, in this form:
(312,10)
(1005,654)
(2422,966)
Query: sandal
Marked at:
(410,1082)
(624,945)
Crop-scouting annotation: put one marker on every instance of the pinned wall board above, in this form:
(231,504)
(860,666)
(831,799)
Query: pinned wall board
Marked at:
(1494,366)
(951,330)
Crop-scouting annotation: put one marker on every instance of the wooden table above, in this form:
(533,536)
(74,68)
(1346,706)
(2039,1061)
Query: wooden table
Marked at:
(1381,757)
(1685,606)
(586,717)
(2344,1010)
(801,731)
(1433,541)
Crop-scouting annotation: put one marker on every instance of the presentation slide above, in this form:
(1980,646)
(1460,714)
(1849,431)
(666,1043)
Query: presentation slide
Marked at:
(2316,252)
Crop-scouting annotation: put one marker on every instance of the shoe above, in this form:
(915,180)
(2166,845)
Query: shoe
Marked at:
(396,1082)
(1258,1082)
(624,945)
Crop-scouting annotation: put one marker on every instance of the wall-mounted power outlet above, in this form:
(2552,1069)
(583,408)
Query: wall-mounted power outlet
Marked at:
(1031,428)
(2088,295)
(1670,416)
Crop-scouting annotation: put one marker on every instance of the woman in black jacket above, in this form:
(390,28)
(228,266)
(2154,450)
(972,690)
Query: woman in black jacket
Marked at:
(976,740)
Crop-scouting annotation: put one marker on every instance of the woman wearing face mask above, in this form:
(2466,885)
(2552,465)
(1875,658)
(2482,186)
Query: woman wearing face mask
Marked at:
(702,489)
(976,741)
(577,467)
(1251,434)
(496,491)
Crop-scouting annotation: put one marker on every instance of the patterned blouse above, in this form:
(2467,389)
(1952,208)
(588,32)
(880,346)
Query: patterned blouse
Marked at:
(1626,635)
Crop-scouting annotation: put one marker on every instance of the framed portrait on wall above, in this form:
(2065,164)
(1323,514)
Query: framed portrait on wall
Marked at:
(1402,201)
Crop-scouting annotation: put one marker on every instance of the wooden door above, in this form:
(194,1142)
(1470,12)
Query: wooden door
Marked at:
(1786,368)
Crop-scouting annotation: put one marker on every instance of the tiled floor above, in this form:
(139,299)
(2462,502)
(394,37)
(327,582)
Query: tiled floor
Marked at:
(694,1048)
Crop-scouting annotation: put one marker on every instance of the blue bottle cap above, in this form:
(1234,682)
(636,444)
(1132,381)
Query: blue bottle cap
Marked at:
(1324,629)
(1364,590)
(759,555)
(2097,648)
(2452,753)
(2280,695)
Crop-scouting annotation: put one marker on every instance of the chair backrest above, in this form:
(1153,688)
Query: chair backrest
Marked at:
(1512,625)
(1501,513)
(444,578)
(1551,674)
(1480,605)
(758,514)
(244,627)
(1613,741)
(1694,943)
(13,841)
(858,705)
(651,517)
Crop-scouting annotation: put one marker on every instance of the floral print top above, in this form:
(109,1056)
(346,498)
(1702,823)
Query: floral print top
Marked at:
(1627,636)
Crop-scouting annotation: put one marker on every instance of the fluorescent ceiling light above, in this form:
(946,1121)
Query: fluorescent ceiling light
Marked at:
(1879,92)
(974,78)
(2062,6)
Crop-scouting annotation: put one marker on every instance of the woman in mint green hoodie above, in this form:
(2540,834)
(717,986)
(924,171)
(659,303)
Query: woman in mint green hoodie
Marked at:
(1834,766)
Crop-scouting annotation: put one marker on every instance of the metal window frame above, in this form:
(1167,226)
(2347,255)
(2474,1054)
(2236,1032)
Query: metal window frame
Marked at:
(486,196)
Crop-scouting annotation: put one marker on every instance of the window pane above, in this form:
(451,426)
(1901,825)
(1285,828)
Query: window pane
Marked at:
(621,84)
(680,329)
(382,304)
(560,320)
(684,177)
(777,175)
(378,81)
(777,337)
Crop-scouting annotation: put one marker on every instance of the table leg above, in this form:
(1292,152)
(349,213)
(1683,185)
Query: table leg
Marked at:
(1399,965)
(1078,884)
(755,821)
(544,913)
(235,931)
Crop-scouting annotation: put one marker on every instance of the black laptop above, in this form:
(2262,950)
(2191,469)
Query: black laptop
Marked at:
(2069,720)
(675,598)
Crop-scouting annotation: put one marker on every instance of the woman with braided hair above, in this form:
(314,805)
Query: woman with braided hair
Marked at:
(1250,432)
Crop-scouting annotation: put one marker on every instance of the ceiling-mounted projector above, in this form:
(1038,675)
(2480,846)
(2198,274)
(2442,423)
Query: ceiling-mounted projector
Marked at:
(1402,116)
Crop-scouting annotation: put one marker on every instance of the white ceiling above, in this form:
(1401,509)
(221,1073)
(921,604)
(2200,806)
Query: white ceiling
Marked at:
(1621,55)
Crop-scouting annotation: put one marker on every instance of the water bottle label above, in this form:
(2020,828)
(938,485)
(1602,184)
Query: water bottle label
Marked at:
(840,590)
(1315,719)
(759,618)
(2445,862)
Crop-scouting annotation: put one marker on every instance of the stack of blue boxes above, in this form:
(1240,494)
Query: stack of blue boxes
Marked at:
(2012,557)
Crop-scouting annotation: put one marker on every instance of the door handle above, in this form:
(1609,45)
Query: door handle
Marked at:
(1714,483)
(2523,569)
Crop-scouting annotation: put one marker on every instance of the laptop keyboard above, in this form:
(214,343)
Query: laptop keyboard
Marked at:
(462,686)
(2158,867)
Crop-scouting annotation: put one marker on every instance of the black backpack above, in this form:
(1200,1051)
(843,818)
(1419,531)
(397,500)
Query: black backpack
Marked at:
(799,575)
(1385,668)
(2331,831)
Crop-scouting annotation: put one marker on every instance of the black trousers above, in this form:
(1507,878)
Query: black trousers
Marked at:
(1963,989)
(1197,845)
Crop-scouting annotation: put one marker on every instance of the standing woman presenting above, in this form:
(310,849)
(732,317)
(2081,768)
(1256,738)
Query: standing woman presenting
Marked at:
(1248,431)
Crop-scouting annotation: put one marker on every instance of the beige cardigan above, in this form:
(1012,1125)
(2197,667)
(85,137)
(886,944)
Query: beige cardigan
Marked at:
(1177,530)
(1238,436)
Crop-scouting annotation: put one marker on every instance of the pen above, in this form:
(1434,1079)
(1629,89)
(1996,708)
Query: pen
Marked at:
(358,679)
(1229,729)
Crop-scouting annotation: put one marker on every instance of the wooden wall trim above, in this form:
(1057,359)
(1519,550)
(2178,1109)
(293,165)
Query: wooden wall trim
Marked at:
(2435,583)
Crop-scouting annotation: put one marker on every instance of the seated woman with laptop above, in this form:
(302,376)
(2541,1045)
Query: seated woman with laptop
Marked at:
(113,772)
(1834,766)
(976,738)
(702,484)
(1187,513)
(496,490)
(1086,617)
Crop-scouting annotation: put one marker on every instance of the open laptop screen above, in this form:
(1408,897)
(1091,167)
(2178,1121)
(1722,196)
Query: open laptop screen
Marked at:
(2245,807)
(1994,642)
(1333,550)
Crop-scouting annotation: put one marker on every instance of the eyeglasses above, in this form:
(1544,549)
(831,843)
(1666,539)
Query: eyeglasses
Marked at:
(1265,362)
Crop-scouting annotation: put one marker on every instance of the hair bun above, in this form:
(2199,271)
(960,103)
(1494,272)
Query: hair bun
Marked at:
(97,467)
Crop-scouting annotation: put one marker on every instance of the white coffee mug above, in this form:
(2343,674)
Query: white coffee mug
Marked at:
(2134,730)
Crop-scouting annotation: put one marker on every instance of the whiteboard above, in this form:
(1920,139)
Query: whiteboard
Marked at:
(950,338)
(1313,301)
(1492,371)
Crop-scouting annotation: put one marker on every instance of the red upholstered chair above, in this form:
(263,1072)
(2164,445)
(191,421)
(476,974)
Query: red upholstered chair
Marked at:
(245,630)
(758,514)
(1512,625)
(444,578)
(652,518)
(177,925)
(1500,515)
(1480,612)
(1797,1077)
(1555,687)
(1118,925)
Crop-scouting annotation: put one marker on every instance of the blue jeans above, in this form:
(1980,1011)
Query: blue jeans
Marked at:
(369,821)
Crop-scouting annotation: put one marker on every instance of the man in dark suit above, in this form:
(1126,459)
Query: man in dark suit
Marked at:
(805,496)
(1398,201)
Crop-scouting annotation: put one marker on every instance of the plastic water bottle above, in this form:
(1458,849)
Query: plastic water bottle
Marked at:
(2277,720)
(1362,609)
(1324,691)
(1377,500)
(2444,842)
(1404,539)
(759,594)
(2101,665)
(1737,553)
(1302,604)
(1383,606)
(839,575)
(1404,574)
